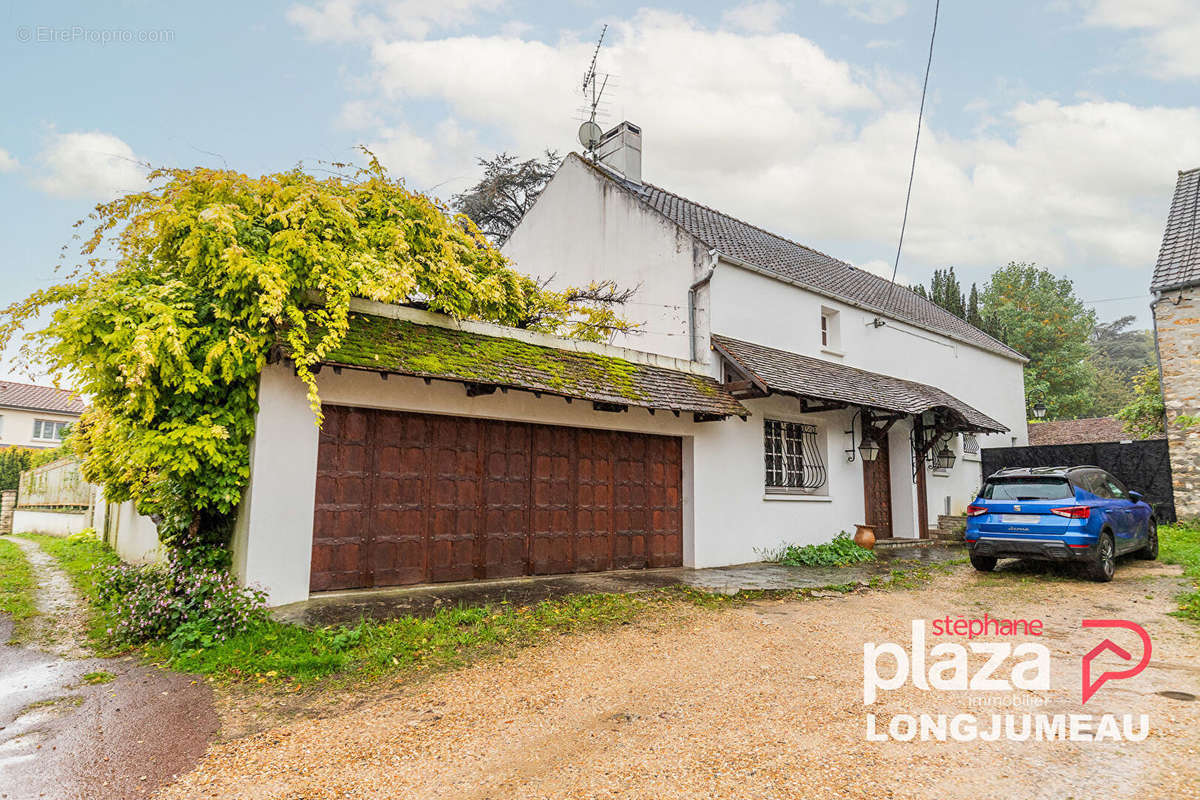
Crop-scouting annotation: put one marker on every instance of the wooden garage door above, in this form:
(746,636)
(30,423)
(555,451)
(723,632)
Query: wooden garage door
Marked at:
(419,498)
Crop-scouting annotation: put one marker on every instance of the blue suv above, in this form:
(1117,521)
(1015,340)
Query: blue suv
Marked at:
(1080,514)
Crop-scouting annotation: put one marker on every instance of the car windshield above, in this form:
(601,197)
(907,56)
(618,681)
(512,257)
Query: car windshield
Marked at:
(1027,489)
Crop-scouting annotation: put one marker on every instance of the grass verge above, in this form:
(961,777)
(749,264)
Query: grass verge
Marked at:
(16,589)
(1180,544)
(293,656)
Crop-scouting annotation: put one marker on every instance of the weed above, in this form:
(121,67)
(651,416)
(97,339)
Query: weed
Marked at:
(98,677)
(1180,544)
(837,553)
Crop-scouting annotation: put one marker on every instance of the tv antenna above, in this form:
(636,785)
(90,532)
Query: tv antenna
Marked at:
(589,131)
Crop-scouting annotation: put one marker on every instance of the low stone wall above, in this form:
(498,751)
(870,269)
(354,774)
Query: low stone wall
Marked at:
(55,523)
(1177,321)
(8,501)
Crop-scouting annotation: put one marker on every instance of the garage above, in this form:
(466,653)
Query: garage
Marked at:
(405,498)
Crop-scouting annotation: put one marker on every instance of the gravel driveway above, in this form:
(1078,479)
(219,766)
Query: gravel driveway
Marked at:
(759,700)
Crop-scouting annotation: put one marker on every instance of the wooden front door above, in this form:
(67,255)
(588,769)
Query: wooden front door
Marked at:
(407,498)
(877,486)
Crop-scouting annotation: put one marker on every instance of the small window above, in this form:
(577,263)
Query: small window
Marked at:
(793,458)
(970,444)
(49,430)
(831,339)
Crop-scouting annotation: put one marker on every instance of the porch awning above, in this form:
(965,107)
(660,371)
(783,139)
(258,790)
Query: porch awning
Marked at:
(486,363)
(779,371)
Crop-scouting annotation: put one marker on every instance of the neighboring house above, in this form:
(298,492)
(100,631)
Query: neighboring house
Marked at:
(1176,306)
(737,421)
(36,416)
(1079,431)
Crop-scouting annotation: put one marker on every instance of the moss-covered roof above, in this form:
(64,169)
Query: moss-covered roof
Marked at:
(408,348)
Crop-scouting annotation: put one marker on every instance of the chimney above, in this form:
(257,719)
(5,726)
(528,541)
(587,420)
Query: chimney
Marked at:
(621,149)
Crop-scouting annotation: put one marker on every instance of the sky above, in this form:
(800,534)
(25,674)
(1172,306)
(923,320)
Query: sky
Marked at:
(1053,128)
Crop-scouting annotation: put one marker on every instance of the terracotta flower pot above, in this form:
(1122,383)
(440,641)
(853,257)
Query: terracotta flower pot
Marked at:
(864,536)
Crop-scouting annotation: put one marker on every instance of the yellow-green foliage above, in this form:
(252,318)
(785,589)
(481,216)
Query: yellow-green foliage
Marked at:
(186,287)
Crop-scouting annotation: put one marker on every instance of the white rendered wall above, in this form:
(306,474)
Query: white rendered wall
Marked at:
(736,520)
(55,523)
(584,228)
(756,308)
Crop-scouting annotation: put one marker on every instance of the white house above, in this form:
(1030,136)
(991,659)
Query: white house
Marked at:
(36,416)
(737,419)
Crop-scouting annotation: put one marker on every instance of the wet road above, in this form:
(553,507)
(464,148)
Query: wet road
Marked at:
(64,738)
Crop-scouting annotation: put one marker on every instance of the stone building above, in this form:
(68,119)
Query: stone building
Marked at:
(1176,305)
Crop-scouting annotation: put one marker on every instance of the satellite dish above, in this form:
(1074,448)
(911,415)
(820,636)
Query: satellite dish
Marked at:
(589,135)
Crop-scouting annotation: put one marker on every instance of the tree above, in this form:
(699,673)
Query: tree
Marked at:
(1126,352)
(973,315)
(212,271)
(1144,415)
(1039,315)
(945,291)
(506,191)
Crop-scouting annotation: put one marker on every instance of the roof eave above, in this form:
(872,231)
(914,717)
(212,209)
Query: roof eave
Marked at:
(538,390)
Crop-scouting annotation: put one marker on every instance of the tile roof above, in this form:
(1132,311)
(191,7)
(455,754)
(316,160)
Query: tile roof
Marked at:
(1079,431)
(789,373)
(803,265)
(39,398)
(1179,257)
(407,348)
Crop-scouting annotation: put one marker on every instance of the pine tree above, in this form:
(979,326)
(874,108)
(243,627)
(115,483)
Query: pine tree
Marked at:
(973,315)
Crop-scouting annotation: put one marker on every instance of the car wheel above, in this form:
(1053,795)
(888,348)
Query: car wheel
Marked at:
(983,563)
(1105,564)
(1150,551)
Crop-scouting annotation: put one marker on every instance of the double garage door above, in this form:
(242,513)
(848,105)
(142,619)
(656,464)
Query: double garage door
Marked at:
(407,498)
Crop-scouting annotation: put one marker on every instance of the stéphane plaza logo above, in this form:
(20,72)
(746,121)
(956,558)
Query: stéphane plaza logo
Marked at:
(1018,667)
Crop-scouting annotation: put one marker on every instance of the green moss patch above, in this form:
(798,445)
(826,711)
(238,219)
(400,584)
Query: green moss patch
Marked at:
(400,346)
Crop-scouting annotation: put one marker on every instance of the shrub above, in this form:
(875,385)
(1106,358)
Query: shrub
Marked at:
(13,461)
(180,602)
(837,553)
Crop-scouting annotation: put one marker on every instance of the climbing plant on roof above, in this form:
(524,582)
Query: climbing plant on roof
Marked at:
(184,289)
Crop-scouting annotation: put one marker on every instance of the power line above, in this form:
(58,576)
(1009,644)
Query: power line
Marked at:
(912,171)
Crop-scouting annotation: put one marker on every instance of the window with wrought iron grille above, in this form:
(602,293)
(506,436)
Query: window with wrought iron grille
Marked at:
(792,456)
(970,444)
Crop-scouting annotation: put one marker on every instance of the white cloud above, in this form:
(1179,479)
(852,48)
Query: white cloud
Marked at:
(755,17)
(770,128)
(876,12)
(7,162)
(350,20)
(438,165)
(1169,32)
(90,164)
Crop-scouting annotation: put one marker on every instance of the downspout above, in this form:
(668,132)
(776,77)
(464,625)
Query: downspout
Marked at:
(692,303)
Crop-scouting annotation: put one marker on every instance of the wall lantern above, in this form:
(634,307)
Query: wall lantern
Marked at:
(944,459)
(868,449)
(1039,410)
